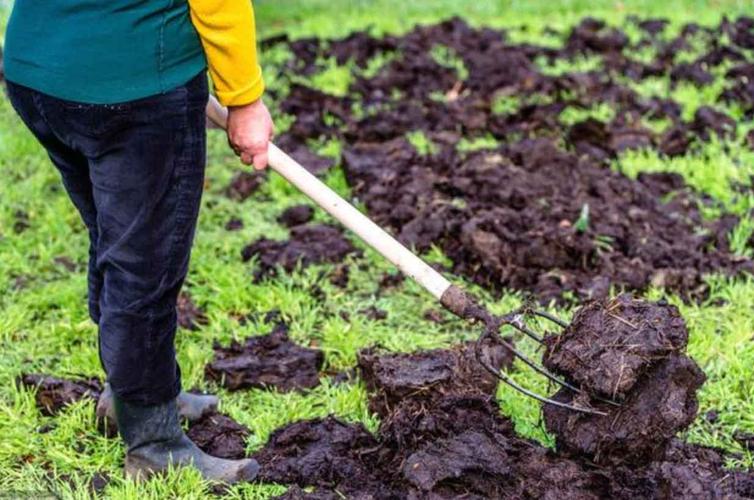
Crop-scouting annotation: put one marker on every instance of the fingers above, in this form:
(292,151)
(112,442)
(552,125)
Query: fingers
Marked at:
(246,158)
(250,130)
(260,160)
(247,150)
(257,148)
(260,154)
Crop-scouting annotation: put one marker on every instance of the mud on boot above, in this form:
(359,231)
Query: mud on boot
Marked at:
(191,407)
(155,441)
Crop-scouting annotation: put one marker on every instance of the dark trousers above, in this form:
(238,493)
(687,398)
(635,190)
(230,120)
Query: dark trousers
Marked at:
(135,172)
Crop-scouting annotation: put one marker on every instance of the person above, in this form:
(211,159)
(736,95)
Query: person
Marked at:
(116,92)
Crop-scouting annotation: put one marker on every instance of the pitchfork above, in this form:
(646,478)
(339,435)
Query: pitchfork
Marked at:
(452,297)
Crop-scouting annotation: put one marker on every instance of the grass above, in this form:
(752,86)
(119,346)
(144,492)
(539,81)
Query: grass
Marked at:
(44,324)
(332,18)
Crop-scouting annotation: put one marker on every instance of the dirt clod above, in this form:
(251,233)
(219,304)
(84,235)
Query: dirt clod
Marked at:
(339,276)
(610,343)
(374,313)
(66,263)
(296,215)
(190,316)
(314,163)
(631,351)
(22,221)
(661,404)
(434,316)
(270,360)
(745,439)
(308,244)
(442,434)
(53,393)
(234,224)
(220,436)
(427,375)
(316,452)
(244,184)
(472,460)
(517,226)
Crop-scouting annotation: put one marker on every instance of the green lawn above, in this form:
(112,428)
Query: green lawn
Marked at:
(44,325)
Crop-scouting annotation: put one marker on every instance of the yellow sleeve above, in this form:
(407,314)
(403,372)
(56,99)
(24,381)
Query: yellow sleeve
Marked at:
(228,34)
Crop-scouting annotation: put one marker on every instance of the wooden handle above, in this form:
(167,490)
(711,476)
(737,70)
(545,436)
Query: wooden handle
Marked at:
(372,234)
(217,113)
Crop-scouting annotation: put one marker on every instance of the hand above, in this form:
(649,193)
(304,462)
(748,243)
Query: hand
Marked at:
(250,130)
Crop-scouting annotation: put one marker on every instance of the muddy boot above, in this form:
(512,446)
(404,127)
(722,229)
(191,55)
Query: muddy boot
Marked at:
(192,407)
(156,441)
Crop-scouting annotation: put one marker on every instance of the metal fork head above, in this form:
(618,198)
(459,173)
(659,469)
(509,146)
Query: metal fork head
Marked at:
(517,320)
(463,305)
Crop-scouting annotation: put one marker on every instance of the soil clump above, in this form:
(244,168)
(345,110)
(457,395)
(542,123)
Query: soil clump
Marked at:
(632,352)
(296,215)
(190,316)
(661,404)
(244,184)
(610,343)
(220,436)
(54,394)
(308,244)
(271,360)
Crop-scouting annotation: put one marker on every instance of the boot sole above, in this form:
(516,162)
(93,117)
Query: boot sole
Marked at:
(141,470)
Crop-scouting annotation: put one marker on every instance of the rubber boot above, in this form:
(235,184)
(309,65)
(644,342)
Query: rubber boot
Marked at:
(191,407)
(156,441)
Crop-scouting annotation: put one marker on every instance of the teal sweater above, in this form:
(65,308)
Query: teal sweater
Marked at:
(102,51)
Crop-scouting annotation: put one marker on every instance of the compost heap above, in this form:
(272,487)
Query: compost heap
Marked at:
(540,211)
(442,434)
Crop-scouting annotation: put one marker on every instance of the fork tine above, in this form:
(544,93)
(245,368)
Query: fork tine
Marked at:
(535,366)
(517,322)
(505,378)
(542,371)
(551,317)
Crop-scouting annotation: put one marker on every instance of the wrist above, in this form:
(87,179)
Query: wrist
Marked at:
(251,105)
